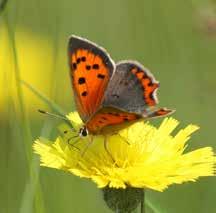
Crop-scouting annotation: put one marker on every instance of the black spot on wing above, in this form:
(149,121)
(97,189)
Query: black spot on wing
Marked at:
(101,76)
(151,96)
(150,84)
(83,59)
(84,93)
(78,60)
(74,65)
(115,95)
(145,76)
(81,80)
(95,66)
(88,67)
(138,71)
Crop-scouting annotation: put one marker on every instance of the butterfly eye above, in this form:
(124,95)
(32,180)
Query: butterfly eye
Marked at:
(83,132)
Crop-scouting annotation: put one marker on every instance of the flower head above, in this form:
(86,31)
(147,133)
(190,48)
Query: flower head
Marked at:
(145,156)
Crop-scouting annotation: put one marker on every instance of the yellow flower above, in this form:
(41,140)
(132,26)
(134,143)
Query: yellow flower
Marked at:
(145,156)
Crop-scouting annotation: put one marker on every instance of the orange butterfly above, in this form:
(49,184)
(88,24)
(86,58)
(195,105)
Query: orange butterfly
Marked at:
(109,96)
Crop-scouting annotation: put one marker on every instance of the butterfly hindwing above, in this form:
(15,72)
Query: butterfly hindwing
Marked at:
(132,88)
(161,112)
(109,117)
(91,70)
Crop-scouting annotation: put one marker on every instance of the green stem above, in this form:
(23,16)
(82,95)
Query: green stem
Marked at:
(142,207)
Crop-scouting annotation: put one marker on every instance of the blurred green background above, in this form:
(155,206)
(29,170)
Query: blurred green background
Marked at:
(172,38)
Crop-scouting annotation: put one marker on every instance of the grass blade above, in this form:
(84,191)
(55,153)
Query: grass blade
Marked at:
(45,99)
(151,206)
(24,122)
(31,187)
(3,5)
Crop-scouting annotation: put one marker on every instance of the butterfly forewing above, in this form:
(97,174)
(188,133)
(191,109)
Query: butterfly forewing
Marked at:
(91,70)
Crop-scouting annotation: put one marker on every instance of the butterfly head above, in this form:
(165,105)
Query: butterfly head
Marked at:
(83,132)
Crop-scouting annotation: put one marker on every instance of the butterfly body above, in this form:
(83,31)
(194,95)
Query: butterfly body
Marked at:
(110,96)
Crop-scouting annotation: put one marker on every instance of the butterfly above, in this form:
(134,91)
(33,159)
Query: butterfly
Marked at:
(110,96)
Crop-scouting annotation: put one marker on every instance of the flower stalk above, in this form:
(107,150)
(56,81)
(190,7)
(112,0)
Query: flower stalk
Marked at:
(142,204)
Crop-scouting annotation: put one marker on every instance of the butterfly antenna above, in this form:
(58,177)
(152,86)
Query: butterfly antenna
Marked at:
(56,116)
(53,115)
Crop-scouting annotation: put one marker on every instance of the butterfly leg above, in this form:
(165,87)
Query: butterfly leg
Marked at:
(124,139)
(73,144)
(87,146)
(106,148)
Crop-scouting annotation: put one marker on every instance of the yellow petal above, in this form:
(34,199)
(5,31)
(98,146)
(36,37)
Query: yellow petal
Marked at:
(145,156)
